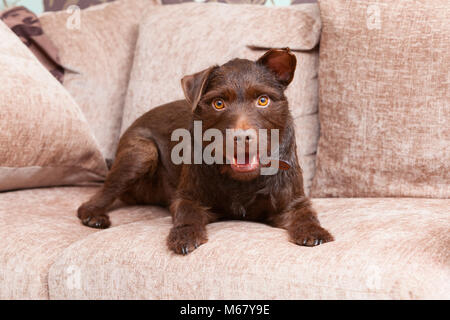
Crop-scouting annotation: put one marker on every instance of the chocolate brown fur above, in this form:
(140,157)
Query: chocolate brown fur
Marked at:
(198,194)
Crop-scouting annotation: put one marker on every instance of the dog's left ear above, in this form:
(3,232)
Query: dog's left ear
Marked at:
(193,86)
(281,62)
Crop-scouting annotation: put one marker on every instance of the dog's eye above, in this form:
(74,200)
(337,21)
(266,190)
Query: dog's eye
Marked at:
(263,101)
(218,104)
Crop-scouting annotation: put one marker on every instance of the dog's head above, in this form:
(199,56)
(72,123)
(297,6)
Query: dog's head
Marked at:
(242,97)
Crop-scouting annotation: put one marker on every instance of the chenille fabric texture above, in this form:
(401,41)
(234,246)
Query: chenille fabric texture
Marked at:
(384,99)
(101,49)
(44,137)
(226,31)
(385,248)
(37,225)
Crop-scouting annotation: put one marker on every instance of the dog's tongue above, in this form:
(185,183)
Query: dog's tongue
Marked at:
(248,165)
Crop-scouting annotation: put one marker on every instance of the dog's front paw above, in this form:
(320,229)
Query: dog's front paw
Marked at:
(93,217)
(310,235)
(185,239)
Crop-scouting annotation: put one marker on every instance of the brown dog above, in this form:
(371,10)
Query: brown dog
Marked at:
(240,94)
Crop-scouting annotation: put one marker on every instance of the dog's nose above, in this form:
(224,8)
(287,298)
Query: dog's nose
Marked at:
(245,135)
(244,131)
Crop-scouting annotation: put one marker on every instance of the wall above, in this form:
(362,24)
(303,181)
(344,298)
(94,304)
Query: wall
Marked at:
(34,5)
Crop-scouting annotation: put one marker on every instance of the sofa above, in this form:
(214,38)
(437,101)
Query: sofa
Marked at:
(391,245)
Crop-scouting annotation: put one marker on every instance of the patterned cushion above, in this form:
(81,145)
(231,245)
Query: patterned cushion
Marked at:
(26,25)
(57,5)
(261,2)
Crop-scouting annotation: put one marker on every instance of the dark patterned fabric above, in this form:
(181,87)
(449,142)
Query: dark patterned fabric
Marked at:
(27,27)
(57,5)
(273,2)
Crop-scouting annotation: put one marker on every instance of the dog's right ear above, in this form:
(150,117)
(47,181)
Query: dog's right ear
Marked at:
(193,86)
(281,62)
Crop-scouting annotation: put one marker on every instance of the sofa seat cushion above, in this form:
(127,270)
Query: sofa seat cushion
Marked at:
(384,249)
(36,226)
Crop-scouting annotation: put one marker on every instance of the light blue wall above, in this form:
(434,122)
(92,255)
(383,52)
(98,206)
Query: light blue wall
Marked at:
(36,6)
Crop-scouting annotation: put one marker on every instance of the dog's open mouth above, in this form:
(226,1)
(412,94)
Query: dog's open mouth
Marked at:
(249,163)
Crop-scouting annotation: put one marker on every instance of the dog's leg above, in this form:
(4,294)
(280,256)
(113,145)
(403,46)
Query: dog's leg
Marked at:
(135,159)
(189,226)
(300,220)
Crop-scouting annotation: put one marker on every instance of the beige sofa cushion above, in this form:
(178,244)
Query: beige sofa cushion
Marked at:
(384,99)
(384,249)
(44,137)
(102,50)
(170,47)
(36,226)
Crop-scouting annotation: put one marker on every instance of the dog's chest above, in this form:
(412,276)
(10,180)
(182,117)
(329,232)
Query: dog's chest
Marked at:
(256,209)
